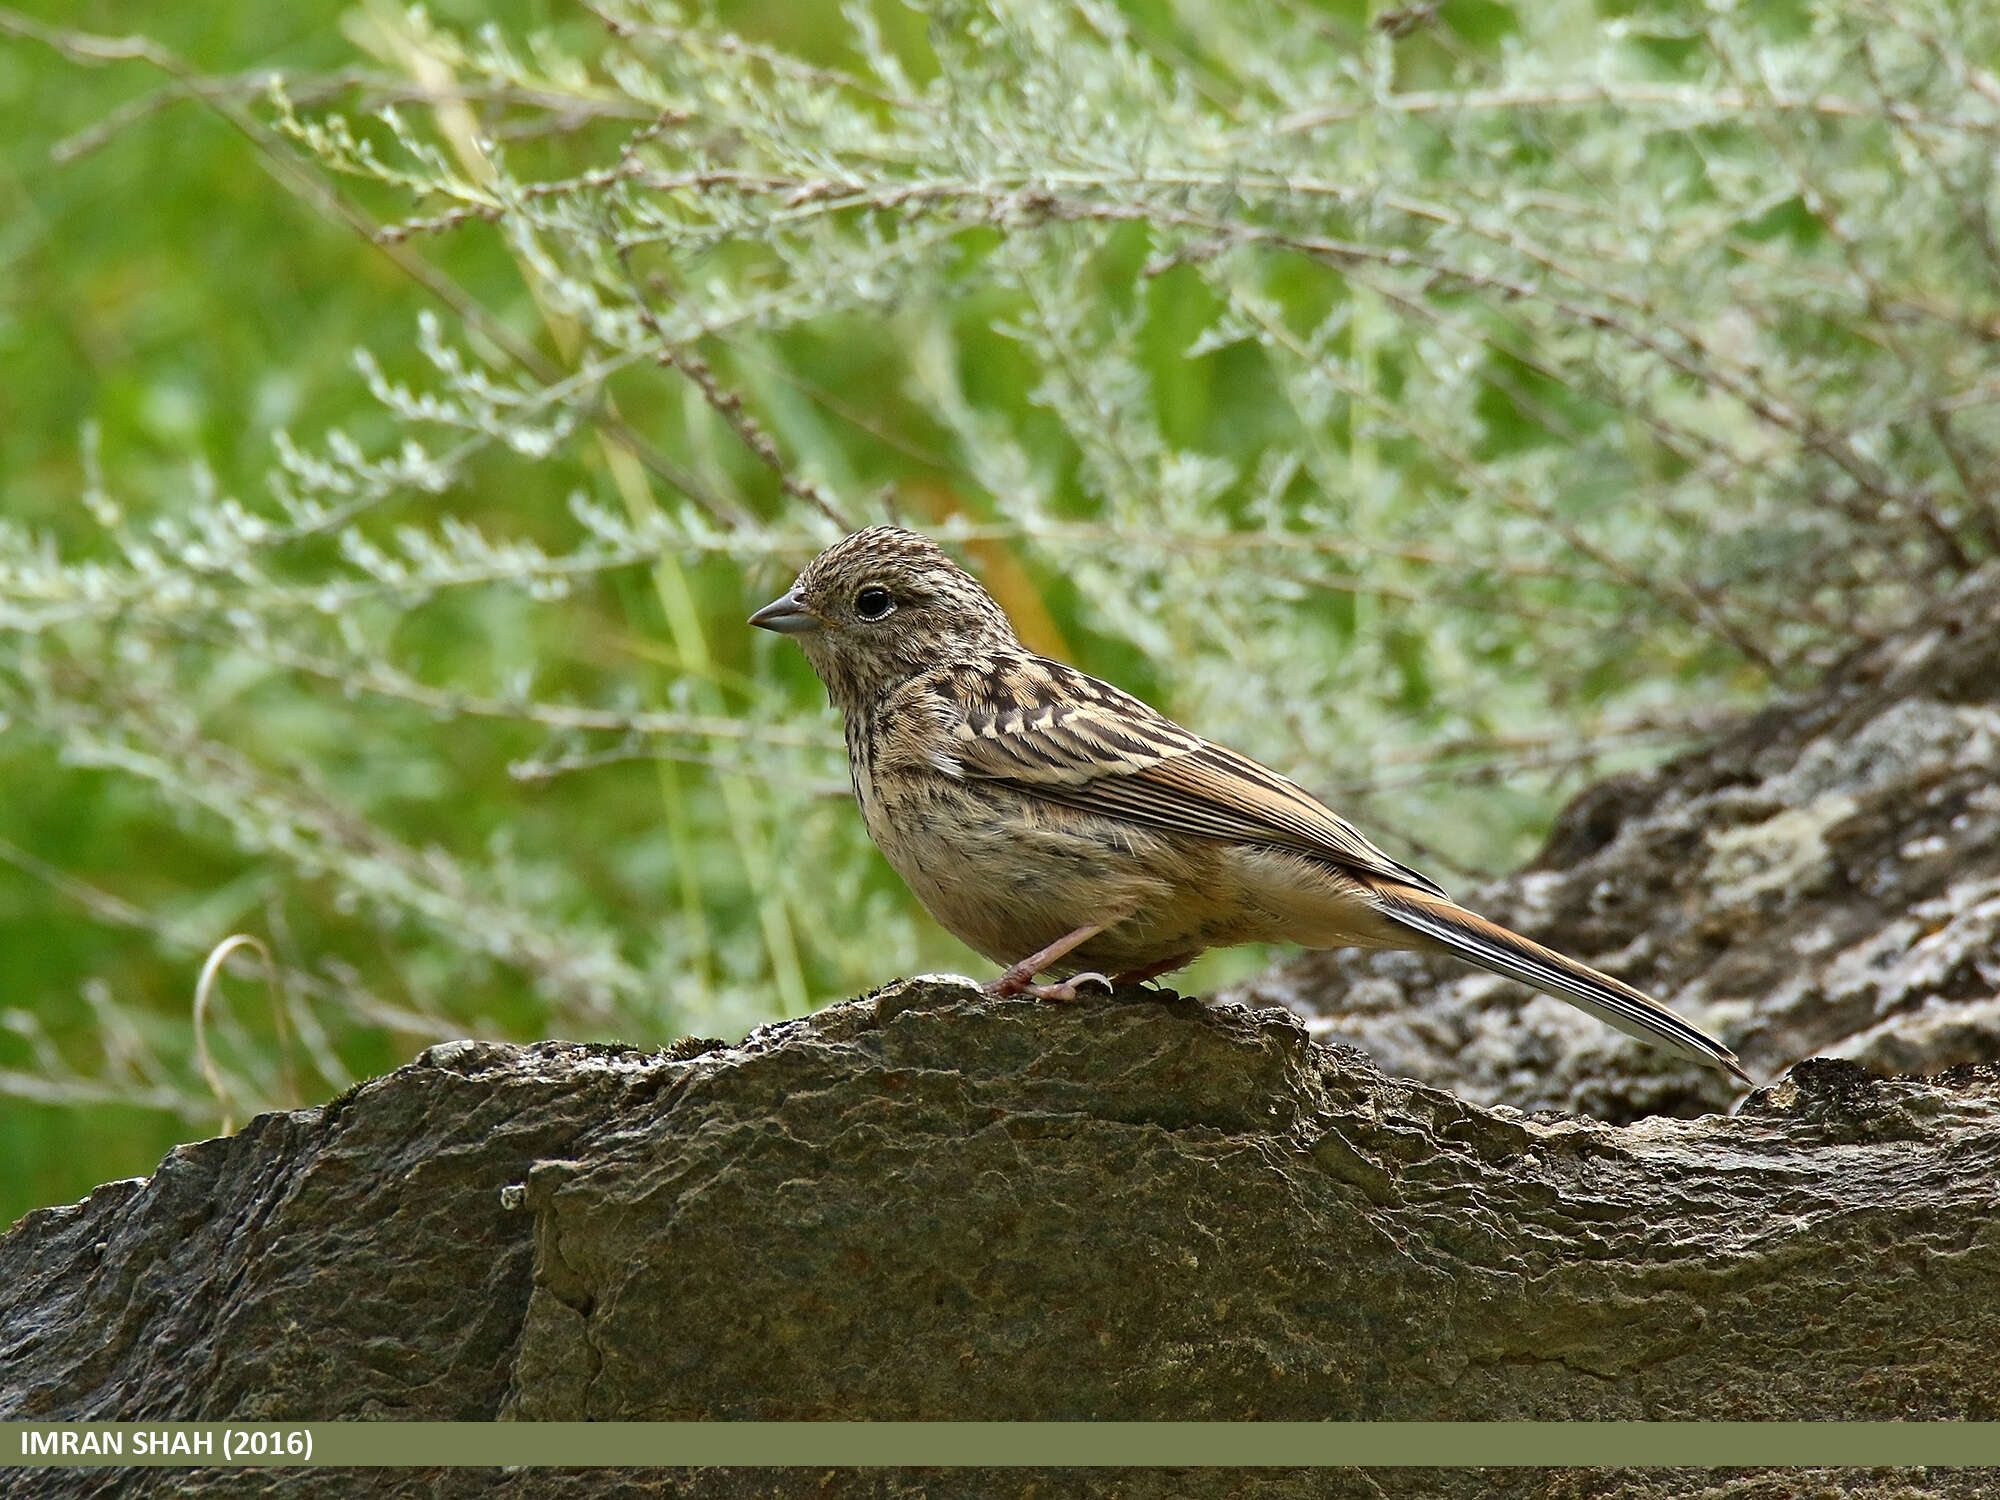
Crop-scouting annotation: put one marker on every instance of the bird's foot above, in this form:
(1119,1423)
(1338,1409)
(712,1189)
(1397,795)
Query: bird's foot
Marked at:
(1011,983)
(1020,977)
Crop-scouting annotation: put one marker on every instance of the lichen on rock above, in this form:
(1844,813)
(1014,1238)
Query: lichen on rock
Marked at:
(1822,882)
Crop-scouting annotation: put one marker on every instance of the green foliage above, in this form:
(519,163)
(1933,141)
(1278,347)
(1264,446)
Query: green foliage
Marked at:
(1445,405)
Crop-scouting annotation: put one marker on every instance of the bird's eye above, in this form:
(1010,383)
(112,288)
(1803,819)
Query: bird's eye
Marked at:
(873,602)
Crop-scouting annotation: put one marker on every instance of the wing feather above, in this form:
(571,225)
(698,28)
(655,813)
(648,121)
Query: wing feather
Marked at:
(1051,731)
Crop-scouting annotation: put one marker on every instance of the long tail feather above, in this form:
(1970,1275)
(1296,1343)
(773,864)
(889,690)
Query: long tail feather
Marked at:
(1491,946)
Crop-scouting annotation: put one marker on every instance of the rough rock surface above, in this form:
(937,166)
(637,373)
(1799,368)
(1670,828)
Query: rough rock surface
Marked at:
(932,1204)
(1822,882)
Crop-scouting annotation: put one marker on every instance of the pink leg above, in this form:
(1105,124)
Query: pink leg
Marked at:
(1019,979)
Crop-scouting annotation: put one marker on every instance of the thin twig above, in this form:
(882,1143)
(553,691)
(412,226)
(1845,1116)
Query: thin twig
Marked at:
(726,403)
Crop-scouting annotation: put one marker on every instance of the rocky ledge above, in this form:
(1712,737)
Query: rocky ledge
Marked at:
(932,1204)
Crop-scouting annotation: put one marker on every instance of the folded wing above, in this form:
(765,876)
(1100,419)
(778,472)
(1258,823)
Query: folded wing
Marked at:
(1053,731)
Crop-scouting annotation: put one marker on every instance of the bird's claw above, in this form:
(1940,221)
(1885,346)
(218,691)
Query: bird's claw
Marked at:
(1067,989)
(1008,984)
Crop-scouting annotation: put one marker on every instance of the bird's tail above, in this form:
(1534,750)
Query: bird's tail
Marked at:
(1491,946)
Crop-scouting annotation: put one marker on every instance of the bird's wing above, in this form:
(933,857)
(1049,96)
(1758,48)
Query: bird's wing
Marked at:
(1052,731)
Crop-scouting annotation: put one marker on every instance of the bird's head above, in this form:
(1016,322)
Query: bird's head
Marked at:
(880,606)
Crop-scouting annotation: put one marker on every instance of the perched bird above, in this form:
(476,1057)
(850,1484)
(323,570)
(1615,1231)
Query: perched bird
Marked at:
(1057,824)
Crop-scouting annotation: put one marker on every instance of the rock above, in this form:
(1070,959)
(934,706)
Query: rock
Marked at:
(1823,882)
(935,1205)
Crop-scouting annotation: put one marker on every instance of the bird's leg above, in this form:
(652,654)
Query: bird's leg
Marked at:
(1154,971)
(1020,978)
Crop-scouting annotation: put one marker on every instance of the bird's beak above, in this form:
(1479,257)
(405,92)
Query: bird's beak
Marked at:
(787,615)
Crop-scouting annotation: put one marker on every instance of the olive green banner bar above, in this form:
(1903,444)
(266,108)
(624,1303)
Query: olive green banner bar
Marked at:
(1001,1444)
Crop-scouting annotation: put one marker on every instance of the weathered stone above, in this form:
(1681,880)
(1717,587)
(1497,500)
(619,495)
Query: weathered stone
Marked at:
(1824,881)
(1131,1208)
(334,1259)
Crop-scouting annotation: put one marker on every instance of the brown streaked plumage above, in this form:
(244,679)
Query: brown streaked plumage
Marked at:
(1055,824)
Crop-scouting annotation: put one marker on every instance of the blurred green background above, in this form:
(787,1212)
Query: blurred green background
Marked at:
(1446,403)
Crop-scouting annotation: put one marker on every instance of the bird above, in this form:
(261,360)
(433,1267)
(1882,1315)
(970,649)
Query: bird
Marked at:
(1058,825)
